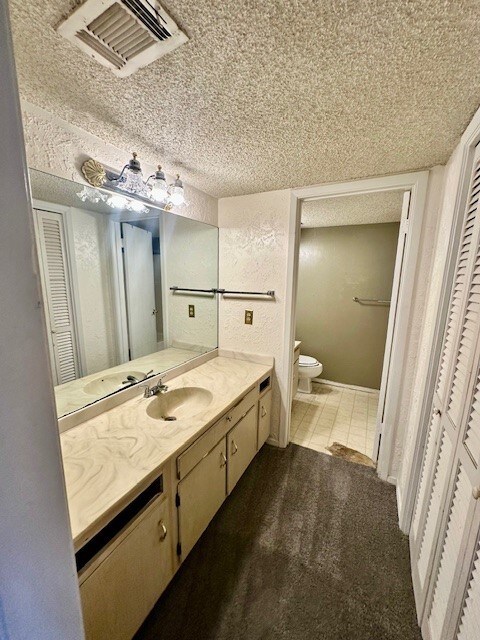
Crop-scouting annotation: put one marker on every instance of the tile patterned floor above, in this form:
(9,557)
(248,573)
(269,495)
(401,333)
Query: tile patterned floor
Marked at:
(334,414)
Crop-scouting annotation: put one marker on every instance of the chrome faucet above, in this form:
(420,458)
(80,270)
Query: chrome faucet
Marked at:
(134,380)
(157,388)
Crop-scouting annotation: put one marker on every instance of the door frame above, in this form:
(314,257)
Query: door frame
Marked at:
(416,183)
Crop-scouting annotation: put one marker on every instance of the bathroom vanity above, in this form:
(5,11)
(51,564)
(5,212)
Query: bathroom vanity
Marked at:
(142,488)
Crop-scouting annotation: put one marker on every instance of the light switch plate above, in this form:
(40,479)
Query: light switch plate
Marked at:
(248,316)
(191,310)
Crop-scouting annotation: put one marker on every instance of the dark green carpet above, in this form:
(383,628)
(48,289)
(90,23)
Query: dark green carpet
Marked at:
(306,547)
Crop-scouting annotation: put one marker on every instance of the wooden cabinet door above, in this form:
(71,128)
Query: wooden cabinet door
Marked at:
(241,446)
(118,595)
(200,495)
(264,411)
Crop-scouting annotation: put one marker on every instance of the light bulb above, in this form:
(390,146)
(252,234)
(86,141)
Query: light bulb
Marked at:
(117,202)
(137,206)
(177,198)
(159,190)
(175,192)
(91,195)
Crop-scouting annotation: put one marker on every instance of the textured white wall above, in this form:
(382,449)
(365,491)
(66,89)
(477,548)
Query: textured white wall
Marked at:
(92,260)
(39,597)
(59,148)
(437,243)
(253,257)
(190,260)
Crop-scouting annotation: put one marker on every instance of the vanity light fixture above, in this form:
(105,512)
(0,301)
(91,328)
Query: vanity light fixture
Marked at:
(130,181)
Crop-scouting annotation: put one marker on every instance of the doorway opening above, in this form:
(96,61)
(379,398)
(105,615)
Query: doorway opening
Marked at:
(413,186)
(348,251)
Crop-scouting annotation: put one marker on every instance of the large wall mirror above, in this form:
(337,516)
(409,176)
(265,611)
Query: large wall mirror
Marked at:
(107,275)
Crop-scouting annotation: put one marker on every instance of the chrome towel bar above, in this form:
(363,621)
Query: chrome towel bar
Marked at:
(270,294)
(211,291)
(372,301)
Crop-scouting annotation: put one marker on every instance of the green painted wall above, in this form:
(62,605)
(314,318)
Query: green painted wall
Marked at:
(336,264)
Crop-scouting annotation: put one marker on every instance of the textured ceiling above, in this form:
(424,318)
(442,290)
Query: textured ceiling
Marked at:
(368,208)
(272,94)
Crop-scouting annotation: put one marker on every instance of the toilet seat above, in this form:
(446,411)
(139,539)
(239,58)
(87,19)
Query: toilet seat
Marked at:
(307,361)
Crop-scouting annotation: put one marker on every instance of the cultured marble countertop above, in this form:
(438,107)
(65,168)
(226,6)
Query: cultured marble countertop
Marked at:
(108,458)
(71,396)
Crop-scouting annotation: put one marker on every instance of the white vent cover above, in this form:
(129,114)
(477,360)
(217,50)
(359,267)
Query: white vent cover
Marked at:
(123,35)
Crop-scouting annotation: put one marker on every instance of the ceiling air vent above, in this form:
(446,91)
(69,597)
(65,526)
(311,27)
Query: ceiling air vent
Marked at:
(123,35)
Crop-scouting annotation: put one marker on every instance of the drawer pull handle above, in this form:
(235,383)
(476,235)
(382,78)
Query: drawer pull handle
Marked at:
(223,459)
(163,529)
(229,418)
(264,411)
(476,492)
(234,447)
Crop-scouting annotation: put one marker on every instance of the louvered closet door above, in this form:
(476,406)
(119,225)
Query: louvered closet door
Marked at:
(57,295)
(443,485)
(454,611)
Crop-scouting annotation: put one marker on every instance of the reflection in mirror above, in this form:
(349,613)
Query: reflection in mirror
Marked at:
(106,277)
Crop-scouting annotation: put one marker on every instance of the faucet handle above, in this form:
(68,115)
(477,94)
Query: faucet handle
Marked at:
(147,374)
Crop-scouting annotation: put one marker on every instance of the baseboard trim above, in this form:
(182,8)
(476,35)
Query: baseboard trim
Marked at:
(274,442)
(331,383)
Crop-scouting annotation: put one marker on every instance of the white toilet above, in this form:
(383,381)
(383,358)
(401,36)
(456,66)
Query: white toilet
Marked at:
(308,368)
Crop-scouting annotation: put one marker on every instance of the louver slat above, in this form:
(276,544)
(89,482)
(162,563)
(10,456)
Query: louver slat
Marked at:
(472,433)
(434,505)
(466,350)
(454,317)
(469,628)
(450,555)
(427,464)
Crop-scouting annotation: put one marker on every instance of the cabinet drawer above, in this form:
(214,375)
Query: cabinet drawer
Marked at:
(118,595)
(197,451)
(264,418)
(237,412)
(241,447)
(205,443)
(200,495)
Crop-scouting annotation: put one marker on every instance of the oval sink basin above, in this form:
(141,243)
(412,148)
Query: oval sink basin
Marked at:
(179,404)
(111,382)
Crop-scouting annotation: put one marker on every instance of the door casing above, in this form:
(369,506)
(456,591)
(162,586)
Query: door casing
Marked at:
(416,183)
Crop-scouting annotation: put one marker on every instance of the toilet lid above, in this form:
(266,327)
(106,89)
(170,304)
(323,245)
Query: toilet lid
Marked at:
(308,361)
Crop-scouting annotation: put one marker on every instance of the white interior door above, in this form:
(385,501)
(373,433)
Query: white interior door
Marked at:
(140,290)
(443,539)
(57,293)
(382,418)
